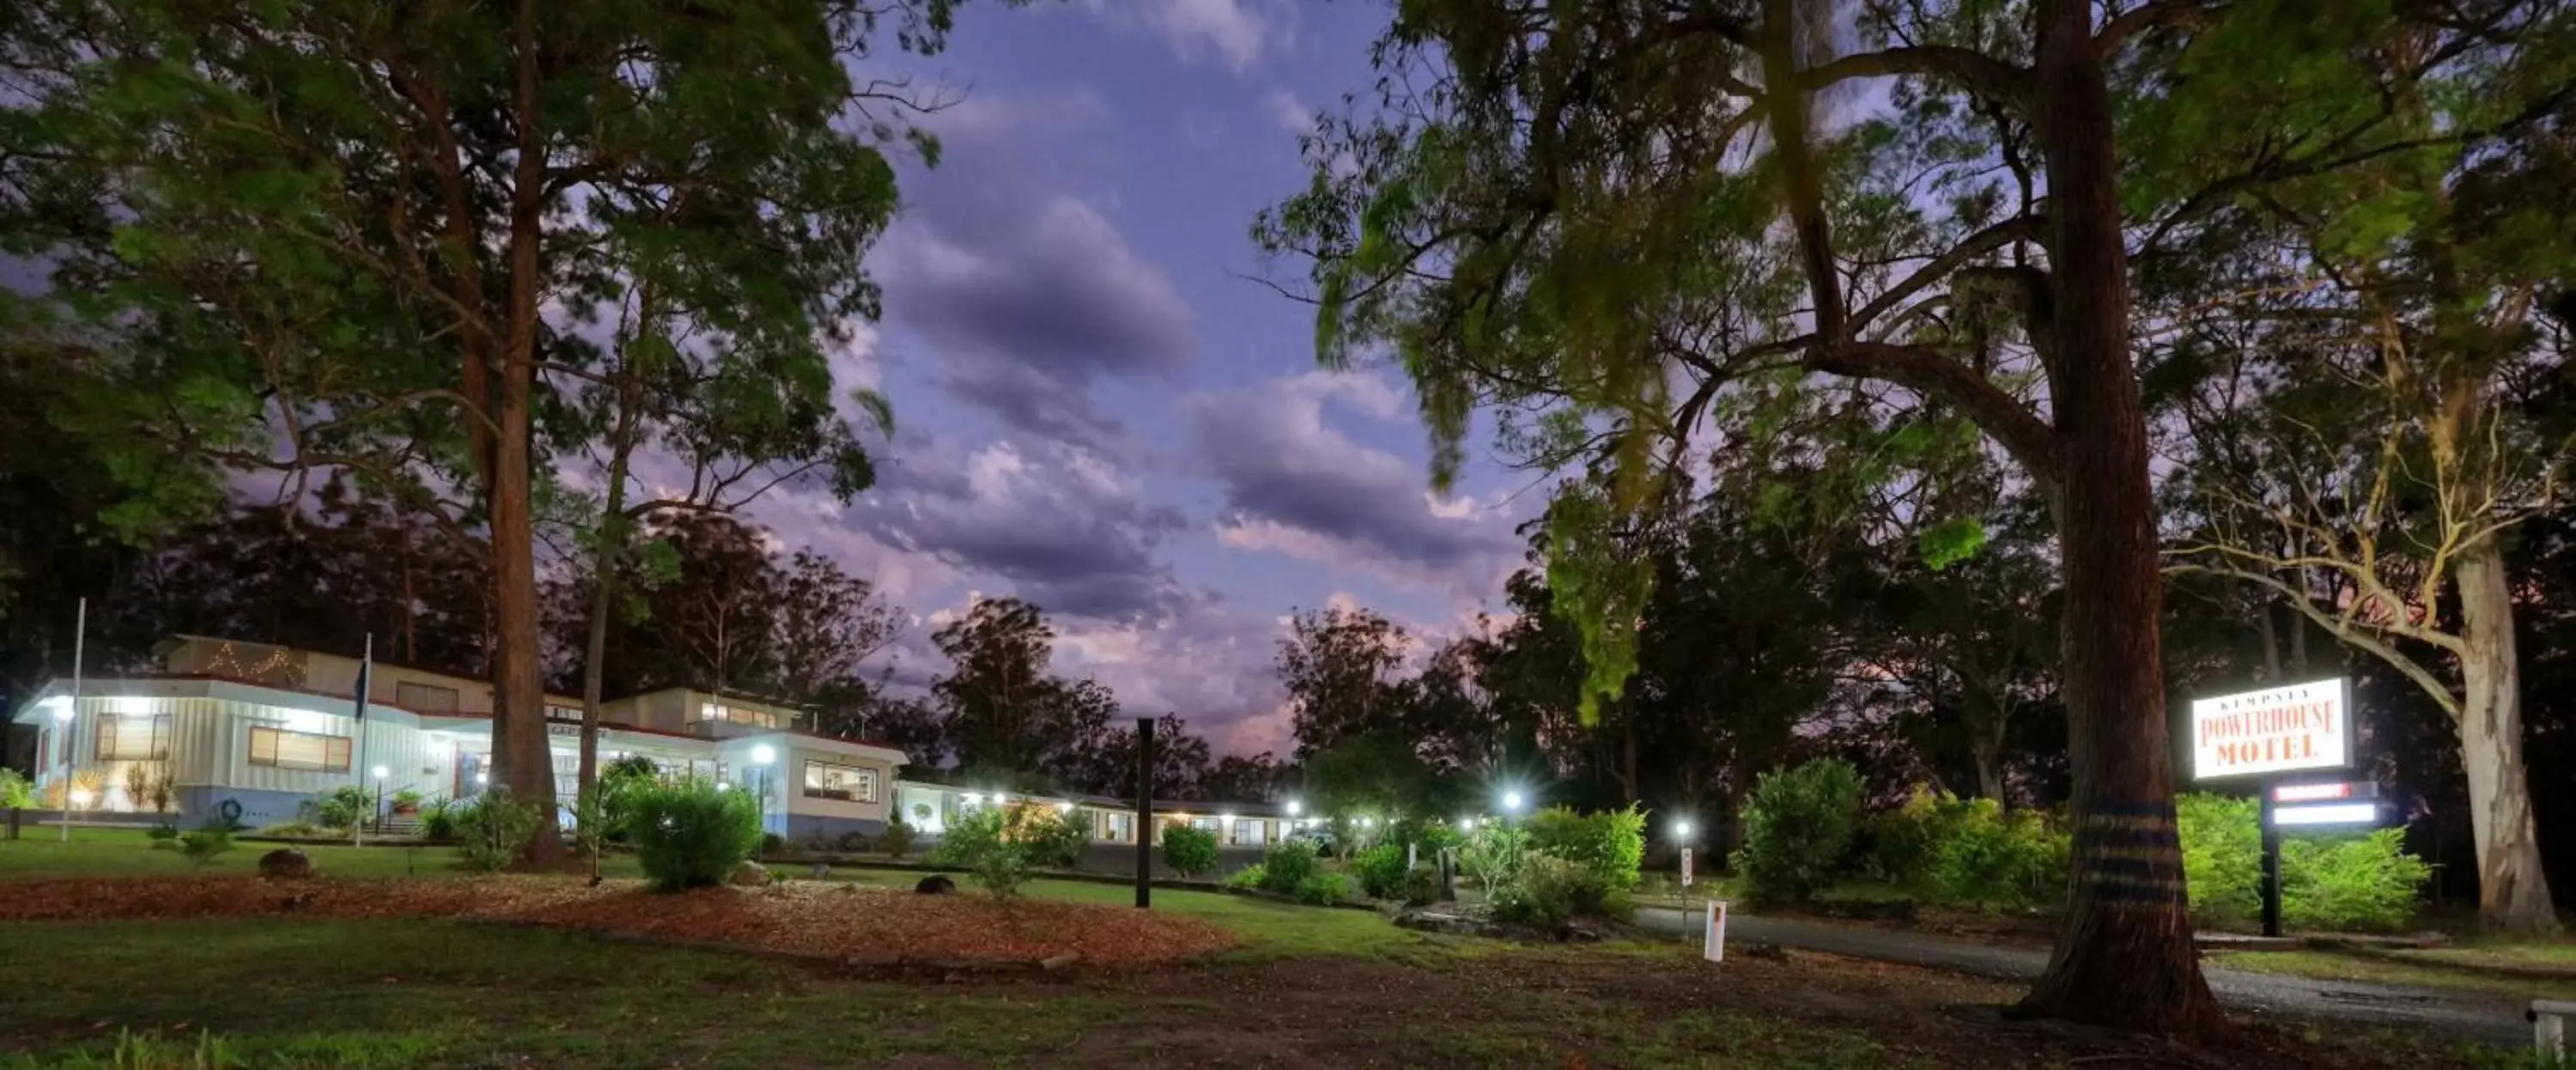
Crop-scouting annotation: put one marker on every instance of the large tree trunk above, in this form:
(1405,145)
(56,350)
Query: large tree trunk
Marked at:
(2513,893)
(608,556)
(2125,958)
(520,753)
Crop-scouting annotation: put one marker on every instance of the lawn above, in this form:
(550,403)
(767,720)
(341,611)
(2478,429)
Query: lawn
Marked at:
(95,852)
(2336,966)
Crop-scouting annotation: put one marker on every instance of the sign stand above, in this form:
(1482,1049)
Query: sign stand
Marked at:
(2271,859)
(1713,942)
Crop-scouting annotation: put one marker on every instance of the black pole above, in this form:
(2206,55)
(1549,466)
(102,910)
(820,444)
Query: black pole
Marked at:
(1144,813)
(2271,865)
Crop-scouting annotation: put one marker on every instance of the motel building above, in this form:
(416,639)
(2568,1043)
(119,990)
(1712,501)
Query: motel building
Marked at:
(269,728)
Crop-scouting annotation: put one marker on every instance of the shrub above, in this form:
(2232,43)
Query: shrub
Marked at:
(494,828)
(1610,843)
(438,820)
(1544,895)
(1250,878)
(200,846)
(1189,851)
(1288,865)
(293,830)
(16,791)
(2364,881)
(896,840)
(406,799)
(1419,886)
(1494,856)
(771,843)
(1381,870)
(1798,827)
(343,807)
(976,843)
(689,833)
(1055,839)
(2222,855)
(1322,888)
(1970,851)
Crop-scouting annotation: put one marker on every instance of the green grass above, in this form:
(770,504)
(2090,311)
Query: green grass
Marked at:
(2541,954)
(95,852)
(2328,965)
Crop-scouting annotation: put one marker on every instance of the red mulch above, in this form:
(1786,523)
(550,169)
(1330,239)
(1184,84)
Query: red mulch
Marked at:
(845,920)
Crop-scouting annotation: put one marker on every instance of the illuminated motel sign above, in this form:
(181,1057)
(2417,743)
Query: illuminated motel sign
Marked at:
(2275,730)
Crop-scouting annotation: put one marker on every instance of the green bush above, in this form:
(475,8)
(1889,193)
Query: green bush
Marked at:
(438,820)
(2222,856)
(689,833)
(1052,838)
(1381,871)
(200,846)
(293,830)
(2364,881)
(1494,856)
(1798,827)
(1189,851)
(1323,888)
(978,842)
(343,807)
(1610,843)
(1420,886)
(16,791)
(494,828)
(896,840)
(1970,851)
(1287,865)
(620,783)
(1545,894)
(1250,878)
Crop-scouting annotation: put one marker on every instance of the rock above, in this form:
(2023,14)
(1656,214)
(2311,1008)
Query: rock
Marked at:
(286,863)
(822,870)
(936,884)
(748,874)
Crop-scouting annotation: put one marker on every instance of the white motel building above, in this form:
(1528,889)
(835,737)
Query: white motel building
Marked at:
(270,728)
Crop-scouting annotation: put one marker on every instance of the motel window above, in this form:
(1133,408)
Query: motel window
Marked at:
(848,783)
(709,711)
(1118,828)
(566,714)
(1248,832)
(299,750)
(133,737)
(424,697)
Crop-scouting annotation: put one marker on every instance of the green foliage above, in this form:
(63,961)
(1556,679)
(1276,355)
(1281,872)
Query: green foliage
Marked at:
(1798,829)
(689,833)
(1543,895)
(438,820)
(1610,843)
(494,828)
(16,791)
(2222,855)
(621,781)
(200,846)
(1188,851)
(896,840)
(1381,870)
(294,830)
(1322,888)
(1251,878)
(1970,852)
(1420,886)
(2348,882)
(343,807)
(1053,839)
(1286,866)
(1494,855)
(979,842)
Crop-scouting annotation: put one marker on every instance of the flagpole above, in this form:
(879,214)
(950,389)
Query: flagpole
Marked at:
(358,768)
(71,728)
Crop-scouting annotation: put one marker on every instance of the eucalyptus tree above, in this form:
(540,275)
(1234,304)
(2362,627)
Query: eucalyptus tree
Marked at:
(1589,207)
(361,237)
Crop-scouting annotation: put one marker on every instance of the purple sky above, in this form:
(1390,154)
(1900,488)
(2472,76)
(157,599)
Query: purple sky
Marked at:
(1096,413)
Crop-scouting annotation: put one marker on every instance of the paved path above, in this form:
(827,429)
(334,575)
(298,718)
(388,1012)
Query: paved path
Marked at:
(2484,1017)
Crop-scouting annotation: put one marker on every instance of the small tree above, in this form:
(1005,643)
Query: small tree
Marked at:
(1798,829)
(1189,851)
(494,828)
(690,833)
(978,842)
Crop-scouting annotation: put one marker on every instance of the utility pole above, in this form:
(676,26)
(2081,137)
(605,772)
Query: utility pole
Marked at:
(1144,813)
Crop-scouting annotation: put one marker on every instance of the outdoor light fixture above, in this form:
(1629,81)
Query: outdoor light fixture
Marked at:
(62,706)
(381,772)
(1365,822)
(1000,799)
(1511,802)
(1681,830)
(1064,808)
(1467,823)
(974,798)
(1294,807)
(763,754)
(2360,813)
(482,778)
(81,798)
(724,785)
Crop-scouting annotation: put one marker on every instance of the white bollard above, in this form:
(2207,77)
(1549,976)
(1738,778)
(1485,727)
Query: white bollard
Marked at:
(2549,1027)
(1713,945)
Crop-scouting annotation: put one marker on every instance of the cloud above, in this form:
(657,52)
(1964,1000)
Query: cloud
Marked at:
(1235,33)
(1287,112)
(1027,293)
(1297,486)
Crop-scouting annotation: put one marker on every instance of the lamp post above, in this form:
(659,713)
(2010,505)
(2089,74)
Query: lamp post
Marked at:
(1511,805)
(62,706)
(762,755)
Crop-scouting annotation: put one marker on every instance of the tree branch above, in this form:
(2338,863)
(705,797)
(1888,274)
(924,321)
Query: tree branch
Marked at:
(1924,371)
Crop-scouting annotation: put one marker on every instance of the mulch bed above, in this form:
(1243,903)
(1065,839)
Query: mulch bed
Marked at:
(850,921)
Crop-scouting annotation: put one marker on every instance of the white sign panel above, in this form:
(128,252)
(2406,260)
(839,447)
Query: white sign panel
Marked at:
(1686,867)
(1713,941)
(2276,730)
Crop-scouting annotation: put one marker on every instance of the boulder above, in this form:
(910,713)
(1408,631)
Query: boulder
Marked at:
(286,863)
(748,874)
(936,884)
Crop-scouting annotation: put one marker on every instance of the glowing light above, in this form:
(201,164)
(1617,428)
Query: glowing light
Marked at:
(482,778)
(1064,808)
(1681,830)
(1467,823)
(974,798)
(2311,792)
(1294,808)
(62,707)
(1511,802)
(81,797)
(1366,822)
(381,772)
(763,754)
(1000,799)
(2361,813)
(724,785)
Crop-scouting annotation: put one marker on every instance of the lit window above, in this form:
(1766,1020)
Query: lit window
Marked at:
(299,750)
(708,711)
(848,783)
(133,737)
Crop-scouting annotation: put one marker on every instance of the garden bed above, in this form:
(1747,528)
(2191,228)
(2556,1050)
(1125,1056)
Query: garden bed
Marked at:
(850,922)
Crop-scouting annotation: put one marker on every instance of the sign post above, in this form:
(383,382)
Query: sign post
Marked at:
(1686,867)
(2267,733)
(1713,943)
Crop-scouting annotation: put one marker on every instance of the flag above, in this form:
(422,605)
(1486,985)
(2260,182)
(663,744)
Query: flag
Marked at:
(366,662)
